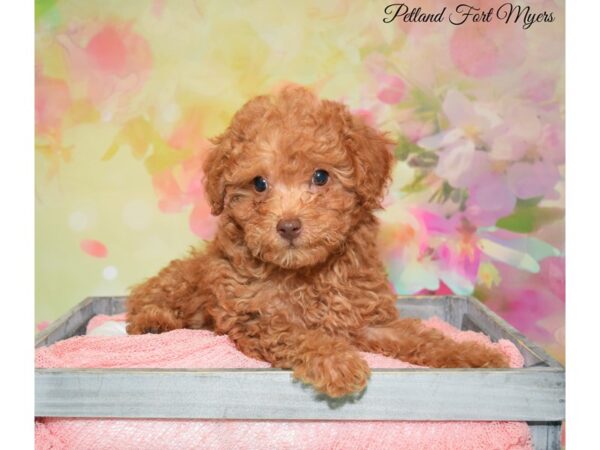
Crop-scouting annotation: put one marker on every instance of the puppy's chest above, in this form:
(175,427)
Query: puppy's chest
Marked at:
(316,306)
(321,307)
(331,313)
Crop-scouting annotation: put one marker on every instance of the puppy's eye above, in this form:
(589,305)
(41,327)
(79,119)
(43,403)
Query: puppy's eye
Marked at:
(320,177)
(260,184)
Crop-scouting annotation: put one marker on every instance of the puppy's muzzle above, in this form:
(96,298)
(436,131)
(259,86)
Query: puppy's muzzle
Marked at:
(289,229)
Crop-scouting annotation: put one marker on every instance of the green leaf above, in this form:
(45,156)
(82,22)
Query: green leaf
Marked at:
(138,134)
(530,202)
(527,219)
(42,7)
(164,157)
(417,184)
(405,148)
(425,102)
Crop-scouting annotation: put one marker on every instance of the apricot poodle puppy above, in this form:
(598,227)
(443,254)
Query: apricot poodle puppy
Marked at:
(293,275)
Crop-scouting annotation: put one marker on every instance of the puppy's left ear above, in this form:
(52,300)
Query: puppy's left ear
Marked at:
(214,171)
(373,160)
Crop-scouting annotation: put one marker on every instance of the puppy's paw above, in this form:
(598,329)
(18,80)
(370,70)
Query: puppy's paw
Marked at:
(478,356)
(153,319)
(153,330)
(336,374)
(494,360)
(134,328)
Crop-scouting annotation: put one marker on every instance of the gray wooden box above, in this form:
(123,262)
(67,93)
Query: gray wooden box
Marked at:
(535,394)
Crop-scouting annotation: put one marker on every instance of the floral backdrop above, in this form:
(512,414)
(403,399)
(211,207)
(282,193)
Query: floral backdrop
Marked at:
(128,93)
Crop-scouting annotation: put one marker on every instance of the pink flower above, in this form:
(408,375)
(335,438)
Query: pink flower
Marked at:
(202,223)
(170,195)
(489,199)
(93,248)
(180,187)
(461,165)
(461,259)
(483,152)
(485,49)
(392,90)
(527,306)
(441,251)
(552,145)
(552,275)
(114,63)
(518,130)
(366,115)
(527,180)
(530,303)
(52,101)
(187,133)
(415,130)
(537,88)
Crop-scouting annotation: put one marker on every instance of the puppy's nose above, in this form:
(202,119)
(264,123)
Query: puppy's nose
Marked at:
(289,228)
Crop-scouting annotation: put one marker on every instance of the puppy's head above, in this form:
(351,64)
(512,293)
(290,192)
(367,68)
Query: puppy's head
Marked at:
(296,174)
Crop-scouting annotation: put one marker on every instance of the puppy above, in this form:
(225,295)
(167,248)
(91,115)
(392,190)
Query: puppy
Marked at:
(293,275)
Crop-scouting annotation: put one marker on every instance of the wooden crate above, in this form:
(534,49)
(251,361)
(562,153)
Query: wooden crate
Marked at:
(535,393)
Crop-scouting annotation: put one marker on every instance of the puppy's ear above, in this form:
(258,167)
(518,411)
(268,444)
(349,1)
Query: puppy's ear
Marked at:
(242,128)
(214,172)
(372,158)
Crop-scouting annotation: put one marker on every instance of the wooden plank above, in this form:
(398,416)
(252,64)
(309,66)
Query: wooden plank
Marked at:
(103,305)
(423,307)
(545,435)
(74,322)
(70,324)
(118,305)
(409,394)
(480,318)
(457,309)
(109,305)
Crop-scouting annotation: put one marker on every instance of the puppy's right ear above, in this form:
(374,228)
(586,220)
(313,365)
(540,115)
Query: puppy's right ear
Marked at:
(214,172)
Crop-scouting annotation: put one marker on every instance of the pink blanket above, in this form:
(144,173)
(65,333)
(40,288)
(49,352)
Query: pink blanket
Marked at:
(203,349)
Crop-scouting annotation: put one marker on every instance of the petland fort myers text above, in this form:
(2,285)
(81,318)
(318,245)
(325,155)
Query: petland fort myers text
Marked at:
(465,13)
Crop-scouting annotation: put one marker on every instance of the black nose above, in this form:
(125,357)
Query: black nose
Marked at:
(289,228)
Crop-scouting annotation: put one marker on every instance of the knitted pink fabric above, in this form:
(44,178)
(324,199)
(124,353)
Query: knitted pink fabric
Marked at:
(203,349)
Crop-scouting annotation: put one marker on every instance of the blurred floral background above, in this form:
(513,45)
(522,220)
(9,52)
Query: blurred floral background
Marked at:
(128,93)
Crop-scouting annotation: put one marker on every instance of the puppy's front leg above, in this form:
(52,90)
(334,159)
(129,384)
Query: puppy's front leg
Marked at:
(332,365)
(329,363)
(410,341)
(169,300)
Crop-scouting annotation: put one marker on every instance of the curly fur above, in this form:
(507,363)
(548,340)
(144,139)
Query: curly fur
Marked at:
(313,304)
